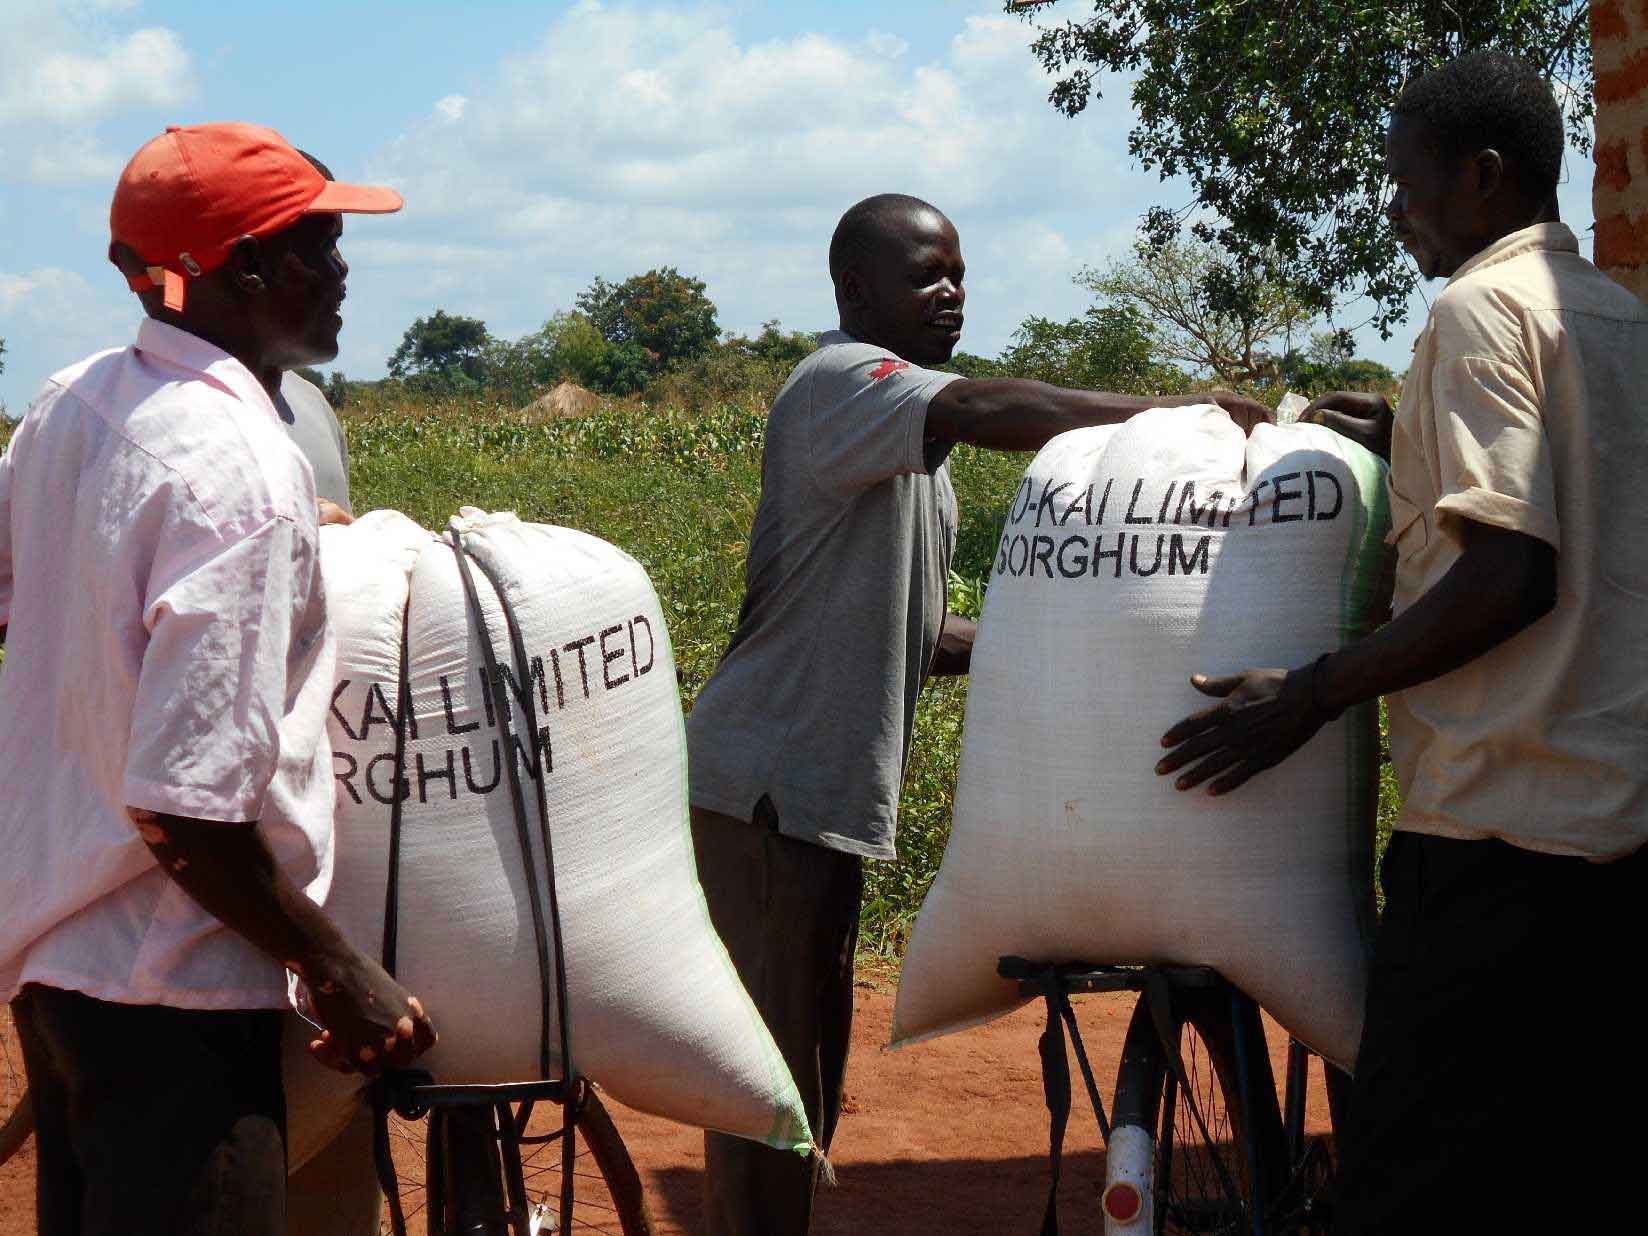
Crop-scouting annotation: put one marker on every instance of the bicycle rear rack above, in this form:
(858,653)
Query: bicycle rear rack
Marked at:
(480,1129)
(1055,984)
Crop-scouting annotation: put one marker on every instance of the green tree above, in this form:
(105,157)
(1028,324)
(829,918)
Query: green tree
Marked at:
(1275,114)
(623,369)
(1204,314)
(776,346)
(1329,363)
(443,351)
(1110,347)
(568,347)
(663,312)
(971,365)
(2,356)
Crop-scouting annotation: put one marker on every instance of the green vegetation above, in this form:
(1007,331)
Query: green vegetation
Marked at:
(678,490)
(1275,114)
(673,474)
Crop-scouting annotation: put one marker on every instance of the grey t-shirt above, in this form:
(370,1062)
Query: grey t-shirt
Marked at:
(814,699)
(314,428)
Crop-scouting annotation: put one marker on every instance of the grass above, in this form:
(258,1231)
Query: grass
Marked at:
(678,491)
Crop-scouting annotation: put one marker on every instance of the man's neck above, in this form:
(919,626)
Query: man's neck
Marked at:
(246,351)
(1514,222)
(857,331)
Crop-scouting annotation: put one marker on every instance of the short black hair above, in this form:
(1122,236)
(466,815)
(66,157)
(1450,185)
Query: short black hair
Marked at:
(863,226)
(317,165)
(1492,100)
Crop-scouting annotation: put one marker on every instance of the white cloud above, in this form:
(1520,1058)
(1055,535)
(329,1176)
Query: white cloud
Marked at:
(629,136)
(53,317)
(451,108)
(64,68)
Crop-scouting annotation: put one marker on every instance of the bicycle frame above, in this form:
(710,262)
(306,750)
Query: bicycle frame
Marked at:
(1273,1147)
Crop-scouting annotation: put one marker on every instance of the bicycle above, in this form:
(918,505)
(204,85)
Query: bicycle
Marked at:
(1196,1139)
(487,1168)
(496,1167)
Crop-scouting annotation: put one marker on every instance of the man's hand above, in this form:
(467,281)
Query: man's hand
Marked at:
(1266,715)
(1365,419)
(1244,411)
(332,513)
(370,1022)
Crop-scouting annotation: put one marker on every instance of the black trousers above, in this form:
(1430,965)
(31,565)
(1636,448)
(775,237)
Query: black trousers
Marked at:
(787,911)
(154,1121)
(1501,1081)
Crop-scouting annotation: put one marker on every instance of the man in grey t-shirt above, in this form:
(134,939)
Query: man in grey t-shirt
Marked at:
(797,744)
(314,428)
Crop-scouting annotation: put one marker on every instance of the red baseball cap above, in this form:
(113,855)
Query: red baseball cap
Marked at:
(192,192)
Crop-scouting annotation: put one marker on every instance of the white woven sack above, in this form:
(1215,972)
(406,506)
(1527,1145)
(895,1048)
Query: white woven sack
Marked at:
(1132,557)
(657,1014)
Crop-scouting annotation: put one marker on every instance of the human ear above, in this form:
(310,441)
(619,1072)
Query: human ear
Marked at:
(1490,172)
(853,291)
(246,265)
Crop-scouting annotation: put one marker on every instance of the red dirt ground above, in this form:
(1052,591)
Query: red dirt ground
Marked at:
(939,1139)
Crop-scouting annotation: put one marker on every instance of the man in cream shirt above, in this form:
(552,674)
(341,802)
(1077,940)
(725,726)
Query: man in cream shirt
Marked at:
(1494,1090)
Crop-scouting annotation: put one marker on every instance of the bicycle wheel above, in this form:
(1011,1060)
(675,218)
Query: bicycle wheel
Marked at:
(608,1198)
(1204,1177)
(16,1118)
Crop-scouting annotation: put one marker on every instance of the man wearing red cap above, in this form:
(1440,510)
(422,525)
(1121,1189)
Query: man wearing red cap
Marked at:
(165,780)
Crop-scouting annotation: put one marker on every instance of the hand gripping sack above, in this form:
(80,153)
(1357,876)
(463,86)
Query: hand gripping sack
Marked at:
(1132,557)
(657,1015)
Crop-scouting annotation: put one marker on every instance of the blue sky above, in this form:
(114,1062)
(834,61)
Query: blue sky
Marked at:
(539,145)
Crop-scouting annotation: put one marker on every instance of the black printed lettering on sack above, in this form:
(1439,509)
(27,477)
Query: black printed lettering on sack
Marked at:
(448,773)
(452,726)
(346,773)
(1047,495)
(608,656)
(629,646)
(1306,496)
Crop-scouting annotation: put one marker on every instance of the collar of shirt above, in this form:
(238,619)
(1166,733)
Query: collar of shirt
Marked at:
(185,351)
(1552,237)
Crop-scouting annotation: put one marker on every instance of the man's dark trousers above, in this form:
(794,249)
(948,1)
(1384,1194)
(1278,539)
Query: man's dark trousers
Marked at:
(154,1121)
(787,911)
(1501,1084)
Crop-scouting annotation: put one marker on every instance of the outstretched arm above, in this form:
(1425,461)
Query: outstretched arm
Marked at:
(1503,582)
(1017,414)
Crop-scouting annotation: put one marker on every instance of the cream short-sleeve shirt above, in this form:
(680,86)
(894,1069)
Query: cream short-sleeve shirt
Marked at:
(1527,408)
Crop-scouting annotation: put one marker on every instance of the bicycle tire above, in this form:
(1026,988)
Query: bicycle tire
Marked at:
(1196,1185)
(1191,1196)
(609,1199)
(16,1115)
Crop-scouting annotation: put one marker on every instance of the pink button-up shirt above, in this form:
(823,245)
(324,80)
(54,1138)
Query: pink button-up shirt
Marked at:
(168,649)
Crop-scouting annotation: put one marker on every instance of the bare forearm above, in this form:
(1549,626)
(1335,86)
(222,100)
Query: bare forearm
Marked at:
(229,870)
(954,654)
(1017,414)
(1503,583)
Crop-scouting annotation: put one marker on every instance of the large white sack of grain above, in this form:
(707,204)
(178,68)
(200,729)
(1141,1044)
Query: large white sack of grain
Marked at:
(1132,557)
(657,1014)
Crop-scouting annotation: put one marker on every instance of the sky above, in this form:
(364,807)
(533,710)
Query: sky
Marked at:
(539,145)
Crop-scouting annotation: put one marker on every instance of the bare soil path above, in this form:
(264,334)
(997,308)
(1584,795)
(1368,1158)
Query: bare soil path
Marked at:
(942,1139)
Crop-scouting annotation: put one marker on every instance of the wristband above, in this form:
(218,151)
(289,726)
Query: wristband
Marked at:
(1315,698)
